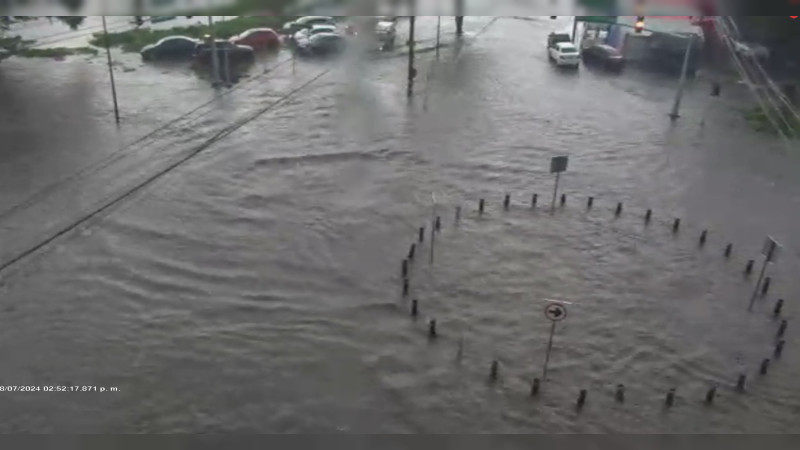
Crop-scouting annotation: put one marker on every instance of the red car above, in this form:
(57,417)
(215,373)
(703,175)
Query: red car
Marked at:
(259,39)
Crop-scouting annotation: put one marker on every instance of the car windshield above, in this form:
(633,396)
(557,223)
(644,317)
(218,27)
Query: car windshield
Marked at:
(568,49)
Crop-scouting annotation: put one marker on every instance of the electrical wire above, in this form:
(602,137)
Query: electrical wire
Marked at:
(222,134)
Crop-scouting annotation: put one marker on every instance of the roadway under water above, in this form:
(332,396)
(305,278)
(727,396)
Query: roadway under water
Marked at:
(256,288)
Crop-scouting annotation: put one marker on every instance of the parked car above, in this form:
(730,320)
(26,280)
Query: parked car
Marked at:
(306,33)
(603,55)
(556,38)
(236,54)
(291,28)
(322,44)
(171,47)
(259,39)
(565,54)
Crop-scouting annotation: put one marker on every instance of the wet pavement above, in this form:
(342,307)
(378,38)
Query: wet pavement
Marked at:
(256,286)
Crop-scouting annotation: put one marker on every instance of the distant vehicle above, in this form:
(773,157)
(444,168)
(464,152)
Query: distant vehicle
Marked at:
(322,44)
(565,54)
(603,55)
(291,28)
(386,32)
(236,54)
(259,39)
(304,34)
(556,38)
(171,47)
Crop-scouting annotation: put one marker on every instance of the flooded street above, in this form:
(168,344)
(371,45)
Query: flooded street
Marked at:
(256,288)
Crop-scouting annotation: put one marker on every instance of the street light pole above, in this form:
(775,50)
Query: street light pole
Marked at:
(684,70)
(412,71)
(438,34)
(214,55)
(111,72)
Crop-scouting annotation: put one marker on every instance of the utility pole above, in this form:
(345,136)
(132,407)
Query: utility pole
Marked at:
(459,18)
(214,55)
(438,34)
(412,71)
(684,70)
(111,72)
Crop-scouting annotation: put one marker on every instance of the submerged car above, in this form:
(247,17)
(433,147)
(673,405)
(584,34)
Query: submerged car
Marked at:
(322,44)
(171,47)
(259,39)
(604,56)
(235,54)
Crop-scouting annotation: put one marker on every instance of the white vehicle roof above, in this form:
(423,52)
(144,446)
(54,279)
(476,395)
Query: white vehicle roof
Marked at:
(323,26)
(566,46)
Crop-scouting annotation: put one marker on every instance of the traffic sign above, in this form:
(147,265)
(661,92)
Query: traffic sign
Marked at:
(559,164)
(770,249)
(555,312)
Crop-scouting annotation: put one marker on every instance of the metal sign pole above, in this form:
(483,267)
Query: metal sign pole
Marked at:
(438,34)
(549,349)
(555,193)
(433,225)
(770,248)
(111,71)
(674,114)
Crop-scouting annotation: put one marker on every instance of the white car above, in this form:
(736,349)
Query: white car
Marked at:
(565,54)
(302,36)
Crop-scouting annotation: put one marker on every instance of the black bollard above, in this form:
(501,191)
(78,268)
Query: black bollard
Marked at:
(534,200)
(648,215)
(405,287)
(438,224)
(710,395)
(494,370)
(458,214)
(421,234)
(765,286)
(670,400)
(481,204)
(507,202)
(404,268)
(535,387)
(778,307)
(432,329)
(764,367)
(748,269)
(779,348)
(782,328)
(703,237)
(590,203)
(676,225)
(411,251)
(581,398)
(414,308)
(740,383)
(620,395)
(563,199)
(728,249)
(618,211)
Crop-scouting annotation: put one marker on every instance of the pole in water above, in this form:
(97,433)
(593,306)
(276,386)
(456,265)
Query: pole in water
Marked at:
(460,352)
(670,399)
(432,329)
(404,268)
(534,200)
(481,205)
(647,216)
(684,70)
(458,214)
(748,269)
(778,307)
(703,237)
(411,252)
(111,71)
(779,348)
(710,395)
(581,398)
(555,193)
(764,367)
(535,387)
(563,199)
(494,370)
(758,283)
(782,328)
(765,286)
(414,308)
(421,234)
(728,250)
(438,223)
(405,287)
(740,383)
(618,211)
(549,350)
(412,71)
(676,225)
(620,394)
(507,202)
(590,203)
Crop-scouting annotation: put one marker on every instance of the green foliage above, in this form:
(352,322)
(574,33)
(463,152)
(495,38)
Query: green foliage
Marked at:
(761,121)
(134,40)
(55,52)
